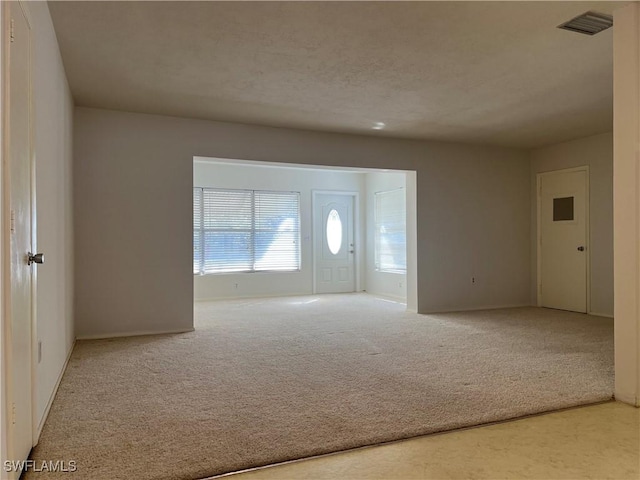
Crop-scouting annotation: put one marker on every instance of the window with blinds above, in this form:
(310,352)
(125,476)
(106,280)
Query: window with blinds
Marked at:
(390,248)
(245,231)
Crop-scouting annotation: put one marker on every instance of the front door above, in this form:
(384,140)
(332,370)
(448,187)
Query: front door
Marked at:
(563,240)
(334,243)
(19,207)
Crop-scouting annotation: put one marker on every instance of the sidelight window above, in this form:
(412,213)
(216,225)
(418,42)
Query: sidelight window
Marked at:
(390,231)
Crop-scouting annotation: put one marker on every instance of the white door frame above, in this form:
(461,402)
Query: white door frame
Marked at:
(539,177)
(5,236)
(356,231)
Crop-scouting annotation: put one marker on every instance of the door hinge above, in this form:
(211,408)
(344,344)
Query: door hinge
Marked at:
(12,223)
(13,413)
(11,34)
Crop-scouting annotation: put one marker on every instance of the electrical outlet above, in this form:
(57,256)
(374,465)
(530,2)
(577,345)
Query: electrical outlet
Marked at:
(235,285)
(473,279)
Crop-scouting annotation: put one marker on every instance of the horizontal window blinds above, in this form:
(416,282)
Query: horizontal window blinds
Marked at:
(277,231)
(227,230)
(246,231)
(198,241)
(390,231)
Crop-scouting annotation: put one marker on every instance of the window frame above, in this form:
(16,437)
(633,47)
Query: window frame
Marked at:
(252,231)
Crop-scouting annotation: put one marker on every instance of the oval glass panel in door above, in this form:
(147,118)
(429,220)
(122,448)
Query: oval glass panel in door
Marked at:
(334,231)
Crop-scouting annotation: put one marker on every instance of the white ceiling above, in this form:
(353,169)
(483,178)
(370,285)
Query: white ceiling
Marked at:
(496,73)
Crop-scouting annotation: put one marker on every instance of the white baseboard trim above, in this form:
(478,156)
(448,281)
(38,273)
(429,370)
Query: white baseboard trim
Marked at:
(629,399)
(596,314)
(100,336)
(286,295)
(386,296)
(474,309)
(255,295)
(53,394)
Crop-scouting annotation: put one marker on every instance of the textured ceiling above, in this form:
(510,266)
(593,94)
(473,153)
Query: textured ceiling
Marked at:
(480,72)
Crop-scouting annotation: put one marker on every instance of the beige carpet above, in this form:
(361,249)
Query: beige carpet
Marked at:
(263,381)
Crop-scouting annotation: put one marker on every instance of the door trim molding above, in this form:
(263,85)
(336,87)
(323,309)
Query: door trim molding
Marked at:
(539,177)
(356,232)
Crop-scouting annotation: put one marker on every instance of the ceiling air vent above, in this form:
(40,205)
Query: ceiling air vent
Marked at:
(589,23)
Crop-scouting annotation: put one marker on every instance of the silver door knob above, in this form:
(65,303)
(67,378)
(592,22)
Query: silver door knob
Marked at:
(35,258)
(581,249)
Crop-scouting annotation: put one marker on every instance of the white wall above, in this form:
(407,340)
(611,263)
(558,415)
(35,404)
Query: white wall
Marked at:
(596,152)
(53,150)
(133,204)
(626,183)
(473,222)
(303,180)
(382,283)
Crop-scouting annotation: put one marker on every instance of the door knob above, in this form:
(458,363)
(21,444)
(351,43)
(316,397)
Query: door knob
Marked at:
(581,249)
(35,258)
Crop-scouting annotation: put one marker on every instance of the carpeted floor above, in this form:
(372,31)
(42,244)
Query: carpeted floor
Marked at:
(263,381)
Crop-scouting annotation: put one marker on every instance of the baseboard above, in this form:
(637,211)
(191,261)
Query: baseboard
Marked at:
(255,295)
(385,296)
(474,309)
(596,314)
(101,336)
(53,394)
(295,294)
(628,398)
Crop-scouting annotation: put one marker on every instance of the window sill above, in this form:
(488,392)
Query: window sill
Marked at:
(395,272)
(247,272)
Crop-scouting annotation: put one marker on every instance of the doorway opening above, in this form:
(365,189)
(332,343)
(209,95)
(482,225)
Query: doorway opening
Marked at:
(331,231)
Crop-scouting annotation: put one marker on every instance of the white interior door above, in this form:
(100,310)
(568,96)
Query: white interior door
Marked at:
(334,243)
(19,172)
(563,205)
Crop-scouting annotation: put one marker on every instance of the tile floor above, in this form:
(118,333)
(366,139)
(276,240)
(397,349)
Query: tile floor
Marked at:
(594,442)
